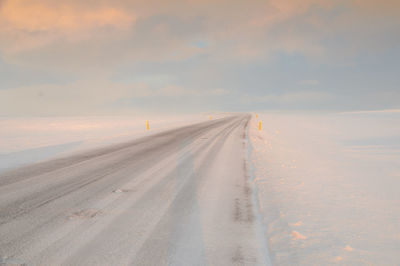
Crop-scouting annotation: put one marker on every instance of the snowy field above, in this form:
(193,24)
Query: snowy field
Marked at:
(327,184)
(30,140)
(328,187)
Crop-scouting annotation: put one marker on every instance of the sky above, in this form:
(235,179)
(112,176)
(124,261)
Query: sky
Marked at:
(102,57)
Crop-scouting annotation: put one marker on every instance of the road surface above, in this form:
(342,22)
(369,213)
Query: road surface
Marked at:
(180,197)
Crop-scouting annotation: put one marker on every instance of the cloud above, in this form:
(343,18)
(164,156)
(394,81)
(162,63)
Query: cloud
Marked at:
(28,25)
(173,91)
(35,31)
(311,82)
(291,97)
(378,8)
(89,97)
(35,16)
(374,111)
(85,96)
(203,47)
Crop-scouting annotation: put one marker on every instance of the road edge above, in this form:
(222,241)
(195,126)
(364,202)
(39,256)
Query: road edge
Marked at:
(259,225)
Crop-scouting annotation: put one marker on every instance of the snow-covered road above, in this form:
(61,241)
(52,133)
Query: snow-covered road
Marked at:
(180,197)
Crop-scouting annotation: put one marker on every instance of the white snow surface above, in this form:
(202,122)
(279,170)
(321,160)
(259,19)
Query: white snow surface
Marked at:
(326,184)
(328,187)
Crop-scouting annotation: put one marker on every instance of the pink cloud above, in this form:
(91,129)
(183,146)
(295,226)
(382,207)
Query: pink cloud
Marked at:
(34,15)
(238,31)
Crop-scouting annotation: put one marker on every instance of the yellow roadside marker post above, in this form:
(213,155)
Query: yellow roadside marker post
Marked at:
(148,125)
(259,127)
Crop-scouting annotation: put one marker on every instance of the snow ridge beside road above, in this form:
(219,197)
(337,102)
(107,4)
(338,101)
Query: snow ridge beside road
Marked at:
(260,226)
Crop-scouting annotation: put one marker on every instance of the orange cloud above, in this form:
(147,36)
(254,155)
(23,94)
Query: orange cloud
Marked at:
(244,30)
(382,8)
(33,15)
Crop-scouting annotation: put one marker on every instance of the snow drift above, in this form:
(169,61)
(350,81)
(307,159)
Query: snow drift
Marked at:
(328,187)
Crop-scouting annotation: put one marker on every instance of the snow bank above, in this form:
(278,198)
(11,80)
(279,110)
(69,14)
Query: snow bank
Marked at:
(328,187)
(29,140)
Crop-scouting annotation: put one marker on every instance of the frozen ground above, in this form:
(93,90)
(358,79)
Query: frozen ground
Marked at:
(328,186)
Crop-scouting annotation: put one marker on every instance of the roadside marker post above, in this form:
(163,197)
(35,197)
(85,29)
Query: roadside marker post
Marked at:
(148,125)
(259,127)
